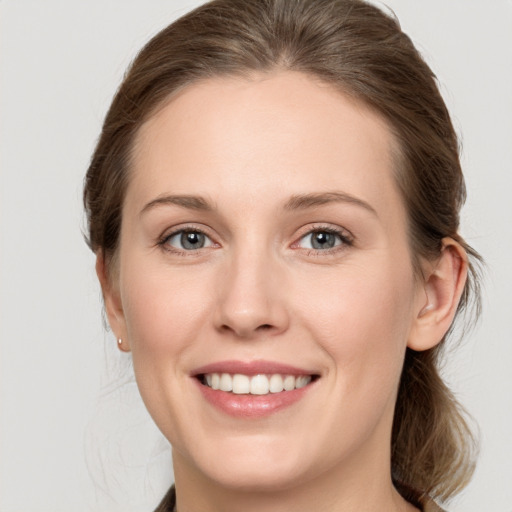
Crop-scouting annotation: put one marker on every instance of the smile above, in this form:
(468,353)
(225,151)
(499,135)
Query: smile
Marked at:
(261,384)
(253,389)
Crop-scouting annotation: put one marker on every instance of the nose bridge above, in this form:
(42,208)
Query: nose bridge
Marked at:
(250,294)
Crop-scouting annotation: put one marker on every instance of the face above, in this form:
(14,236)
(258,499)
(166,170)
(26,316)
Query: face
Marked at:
(264,250)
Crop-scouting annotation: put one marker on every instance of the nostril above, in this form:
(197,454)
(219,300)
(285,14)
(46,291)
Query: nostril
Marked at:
(247,331)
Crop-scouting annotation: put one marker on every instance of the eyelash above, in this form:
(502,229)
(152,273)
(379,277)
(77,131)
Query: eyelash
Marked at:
(163,241)
(345,238)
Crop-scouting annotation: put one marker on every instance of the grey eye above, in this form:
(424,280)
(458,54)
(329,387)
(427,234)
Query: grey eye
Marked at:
(189,240)
(320,240)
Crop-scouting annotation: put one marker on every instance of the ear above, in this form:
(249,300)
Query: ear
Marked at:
(437,305)
(113,303)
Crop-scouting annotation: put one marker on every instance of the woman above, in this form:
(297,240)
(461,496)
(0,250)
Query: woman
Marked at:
(274,205)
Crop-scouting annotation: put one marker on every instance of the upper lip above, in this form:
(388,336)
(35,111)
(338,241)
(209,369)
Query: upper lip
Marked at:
(251,368)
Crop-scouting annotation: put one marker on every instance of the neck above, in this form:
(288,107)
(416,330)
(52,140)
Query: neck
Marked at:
(354,487)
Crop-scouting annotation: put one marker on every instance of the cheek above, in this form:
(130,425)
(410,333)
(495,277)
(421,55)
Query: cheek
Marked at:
(362,317)
(164,309)
(165,313)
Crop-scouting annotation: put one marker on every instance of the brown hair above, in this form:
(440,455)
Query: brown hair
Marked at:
(363,52)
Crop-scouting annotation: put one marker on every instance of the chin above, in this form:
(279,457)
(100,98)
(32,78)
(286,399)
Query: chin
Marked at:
(256,480)
(267,467)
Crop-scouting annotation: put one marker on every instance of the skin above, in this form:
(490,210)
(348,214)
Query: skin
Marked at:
(257,290)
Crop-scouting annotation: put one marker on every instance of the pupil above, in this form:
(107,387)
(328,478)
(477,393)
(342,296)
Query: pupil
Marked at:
(323,240)
(192,240)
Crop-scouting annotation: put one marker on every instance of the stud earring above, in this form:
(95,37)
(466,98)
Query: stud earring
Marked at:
(119,341)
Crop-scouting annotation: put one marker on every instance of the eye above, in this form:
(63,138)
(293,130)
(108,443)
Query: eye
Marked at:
(188,240)
(323,239)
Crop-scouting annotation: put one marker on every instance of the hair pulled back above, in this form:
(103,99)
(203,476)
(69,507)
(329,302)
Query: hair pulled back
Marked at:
(362,51)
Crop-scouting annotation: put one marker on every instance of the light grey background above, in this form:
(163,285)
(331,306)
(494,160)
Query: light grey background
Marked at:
(64,408)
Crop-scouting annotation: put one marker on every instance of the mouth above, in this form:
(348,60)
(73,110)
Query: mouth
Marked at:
(259,384)
(253,389)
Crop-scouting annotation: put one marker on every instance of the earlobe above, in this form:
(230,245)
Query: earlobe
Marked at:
(113,303)
(443,288)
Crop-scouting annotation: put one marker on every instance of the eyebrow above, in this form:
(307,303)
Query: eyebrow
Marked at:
(304,201)
(185,201)
(296,202)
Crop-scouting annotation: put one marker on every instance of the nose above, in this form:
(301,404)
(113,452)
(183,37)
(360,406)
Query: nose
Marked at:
(252,297)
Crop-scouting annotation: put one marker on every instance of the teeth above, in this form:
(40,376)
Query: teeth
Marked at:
(241,384)
(257,384)
(289,383)
(226,382)
(301,381)
(276,384)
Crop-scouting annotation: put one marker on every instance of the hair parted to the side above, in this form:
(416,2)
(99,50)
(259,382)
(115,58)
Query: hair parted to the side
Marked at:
(362,51)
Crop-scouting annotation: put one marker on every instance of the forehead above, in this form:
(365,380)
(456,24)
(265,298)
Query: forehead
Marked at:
(283,132)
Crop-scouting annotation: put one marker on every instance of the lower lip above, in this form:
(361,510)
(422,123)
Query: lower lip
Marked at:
(251,406)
